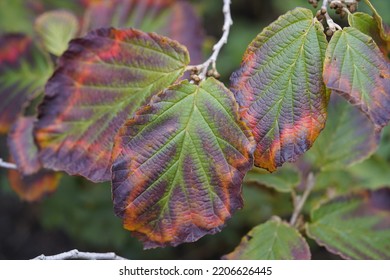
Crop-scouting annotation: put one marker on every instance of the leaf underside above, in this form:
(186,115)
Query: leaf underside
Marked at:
(356,69)
(178,165)
(100,82)
(23,73)
(356,226)
(273,240)
(280,90)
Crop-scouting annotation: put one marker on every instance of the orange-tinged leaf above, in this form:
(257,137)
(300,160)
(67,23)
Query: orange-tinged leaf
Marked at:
(101,80)
(178,165)
(175,19)
(356,69)
(36,186)
(280,90)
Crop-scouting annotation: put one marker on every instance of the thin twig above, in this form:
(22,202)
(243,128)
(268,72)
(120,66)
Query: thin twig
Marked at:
(301,202)
(331,24)
(77,255)
(7,165)
(202,68)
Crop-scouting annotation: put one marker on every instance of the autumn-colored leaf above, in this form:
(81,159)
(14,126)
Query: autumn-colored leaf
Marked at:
(23,73)
(175,19)
(368,25)
(101,80)
(355,226)
(356,69)
(273,240)
(56,29)
(22,147)
(179,163)
(34,187)
(348,138)
(280,90)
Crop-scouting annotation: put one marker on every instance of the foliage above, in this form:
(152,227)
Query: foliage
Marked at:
(128,106)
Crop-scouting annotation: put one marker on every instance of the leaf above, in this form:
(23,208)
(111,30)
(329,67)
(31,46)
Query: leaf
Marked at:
(23,73)
(178,165)
(101,80)
(355,226)
(279,88)
(384,33)
(34,187)
(348,138)
(22,147)
(284,179)
(273,240)
(172,18)
(356,69)
(56,29)
(373,173)
(368,25)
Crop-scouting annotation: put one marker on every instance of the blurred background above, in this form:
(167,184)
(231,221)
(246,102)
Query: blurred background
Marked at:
(80,215)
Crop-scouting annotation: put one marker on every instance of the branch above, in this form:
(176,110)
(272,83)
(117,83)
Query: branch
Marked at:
(301,201)
(7,165)
(332,25)
(202,68)
(76,255)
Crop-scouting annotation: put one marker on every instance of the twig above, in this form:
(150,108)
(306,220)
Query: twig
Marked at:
(332,25)
(7,164)
(76,255)
(301,202)
(202,68)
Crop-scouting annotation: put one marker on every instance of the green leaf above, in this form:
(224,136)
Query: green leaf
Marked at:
(368,25)
(101,81)
(348,138)
(356,69)
(280,90)
(273,240)
(356,226)
(56,29)
(172,18)
(373,173)
(178,165)
(284,179)
(16,16)
(23,72)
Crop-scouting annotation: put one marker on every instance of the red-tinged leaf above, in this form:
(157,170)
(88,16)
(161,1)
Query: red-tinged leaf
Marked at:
(178,165)
(101,80)
(273,240)
(356,69)
(22,147)
(355,226)
(175,19)
(279,88)
(36,186)
(23,73)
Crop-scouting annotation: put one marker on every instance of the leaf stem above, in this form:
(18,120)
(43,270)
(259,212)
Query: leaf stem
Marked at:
(228,22)
(77,255)
(7,165)
(301,201)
